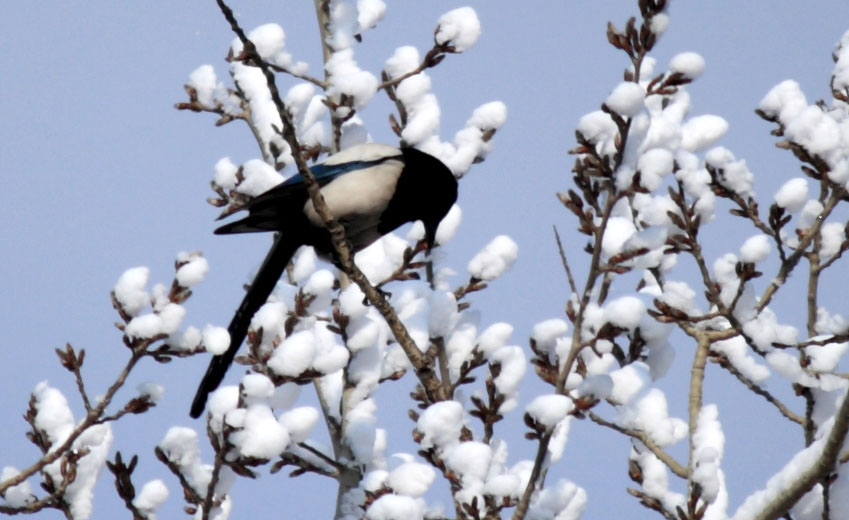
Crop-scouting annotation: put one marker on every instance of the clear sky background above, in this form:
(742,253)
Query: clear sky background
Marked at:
(100,173)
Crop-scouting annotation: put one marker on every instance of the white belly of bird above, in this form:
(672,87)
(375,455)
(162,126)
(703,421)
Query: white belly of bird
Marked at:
(360,196)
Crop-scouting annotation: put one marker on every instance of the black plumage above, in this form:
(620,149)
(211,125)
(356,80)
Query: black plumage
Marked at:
(371,189)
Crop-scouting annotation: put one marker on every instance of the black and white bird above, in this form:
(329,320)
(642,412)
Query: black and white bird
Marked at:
(371,189)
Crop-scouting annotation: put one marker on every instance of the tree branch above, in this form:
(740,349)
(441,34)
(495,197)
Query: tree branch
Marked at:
(673,465)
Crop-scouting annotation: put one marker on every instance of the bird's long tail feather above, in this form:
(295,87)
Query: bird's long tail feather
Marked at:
(266,278)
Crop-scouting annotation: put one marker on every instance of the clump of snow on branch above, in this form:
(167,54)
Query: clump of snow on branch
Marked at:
(689,64)
(192,270)
(459,28)
(180,446)
(130,290)
(494,259)
(708,447)
(563,501)
(53,417)
(151,497)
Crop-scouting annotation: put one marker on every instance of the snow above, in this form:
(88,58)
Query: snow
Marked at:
(824,358)
(411,479)
(815,130)
(395,507)
(494,259)
(561,501)
(405,59)
(259,177)
(708,447)
(294,355)
(422,116)
(701,132)
(16,496)
(737,352)
(656,479)
(351,302)
(810,214)
(628,381)
(793,194)
(224,173)
(180,446)
(53,415)
(448,225)
(513,366)
(598,129)
(689,64)
(152,495)
(369,13)
(546,333)
(193,271)
(216,339)
(626,99)
(659,23)
(95,441)
(256,388)
(204,82)
(788,365)
(617,232)
(260,436)
(164,322)
(271,318)
(443,314)
(461,342)
(494,337)
(653,165)
(440,424)
(840,73)
(625,312)
(152,391)
(489,116)
(755,249)
(269,41)
(505,485)
(469,460)
(361,431)
(130,290)
(784,101)
(459,28)
(550,409)
(299,422)
(320,285)
(735,174)
(833,236)
(648,412)
(347,78)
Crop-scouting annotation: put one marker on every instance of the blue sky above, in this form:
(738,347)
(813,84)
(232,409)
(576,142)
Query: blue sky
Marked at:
(101,173)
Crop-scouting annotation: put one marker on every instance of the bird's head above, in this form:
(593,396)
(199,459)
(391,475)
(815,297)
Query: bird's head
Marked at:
(432,190)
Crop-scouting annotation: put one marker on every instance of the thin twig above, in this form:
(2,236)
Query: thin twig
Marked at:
(641,436)
(725,363)
(788,265)
(565,261)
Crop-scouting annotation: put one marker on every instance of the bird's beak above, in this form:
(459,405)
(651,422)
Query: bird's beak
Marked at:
(430,238)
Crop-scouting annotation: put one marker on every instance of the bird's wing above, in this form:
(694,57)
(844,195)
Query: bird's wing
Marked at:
(272,209)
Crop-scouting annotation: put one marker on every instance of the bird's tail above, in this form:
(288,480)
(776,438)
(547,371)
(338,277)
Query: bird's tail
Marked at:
(266,278)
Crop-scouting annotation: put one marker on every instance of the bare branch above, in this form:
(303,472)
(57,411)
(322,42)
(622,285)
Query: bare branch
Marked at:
(673,465)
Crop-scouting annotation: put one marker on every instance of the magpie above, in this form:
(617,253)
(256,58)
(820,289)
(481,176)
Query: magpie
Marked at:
(371,189)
